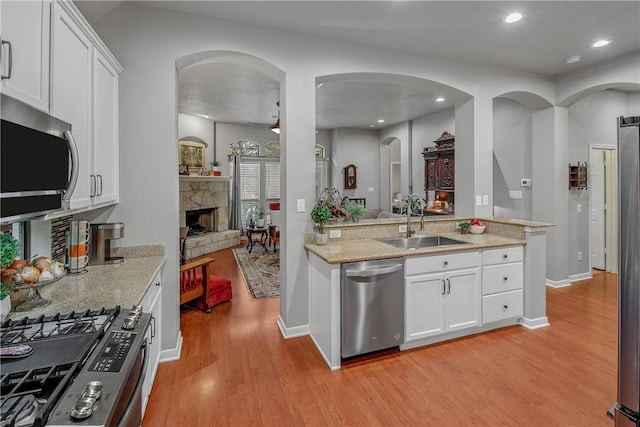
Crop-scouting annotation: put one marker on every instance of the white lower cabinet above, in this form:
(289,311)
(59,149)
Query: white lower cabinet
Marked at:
(445,301)
(152,302)
(502,284)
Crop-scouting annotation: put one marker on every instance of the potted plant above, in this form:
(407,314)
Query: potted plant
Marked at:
(320,214)
(464,226)
(355,210)
(215,168)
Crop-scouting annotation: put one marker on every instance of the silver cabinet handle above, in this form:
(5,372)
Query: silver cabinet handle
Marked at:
(505,256)
(73,177)
(446,263)
(505,278)
(506,306)
(444,287)
(10,60)
(100,179)
(449,283)
(94,186)
(375,271)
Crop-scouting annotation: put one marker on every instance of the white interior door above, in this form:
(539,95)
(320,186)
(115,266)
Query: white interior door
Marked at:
(598,209)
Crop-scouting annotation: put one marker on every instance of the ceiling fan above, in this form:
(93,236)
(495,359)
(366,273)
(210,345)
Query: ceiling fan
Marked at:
(273,127)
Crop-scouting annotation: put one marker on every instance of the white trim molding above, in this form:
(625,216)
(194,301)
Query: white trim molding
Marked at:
(581,276)
(558,283)
(173,353)
(540,322)
(296,331)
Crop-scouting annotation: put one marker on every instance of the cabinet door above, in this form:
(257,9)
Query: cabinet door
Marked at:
(25,43)
(153,303)
(463,299)
(430,180)
(71,94)
(446,172)
(424,314)
(105,130)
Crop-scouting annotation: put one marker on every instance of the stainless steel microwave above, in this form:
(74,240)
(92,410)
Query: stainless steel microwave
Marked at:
(39,162)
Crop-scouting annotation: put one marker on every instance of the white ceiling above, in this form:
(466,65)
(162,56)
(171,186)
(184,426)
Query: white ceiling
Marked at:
(465,31)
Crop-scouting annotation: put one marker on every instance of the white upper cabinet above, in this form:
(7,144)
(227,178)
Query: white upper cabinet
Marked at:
(84,92)
(24,58)
(105,130)
(71,94)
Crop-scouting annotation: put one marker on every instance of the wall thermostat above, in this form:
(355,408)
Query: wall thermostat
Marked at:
(525,182)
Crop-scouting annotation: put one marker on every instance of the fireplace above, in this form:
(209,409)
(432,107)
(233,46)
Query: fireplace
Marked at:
(201,221)
(204,200)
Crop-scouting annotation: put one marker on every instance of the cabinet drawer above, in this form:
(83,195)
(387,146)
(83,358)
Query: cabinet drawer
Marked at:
(500,255)
(153,290)
(446,262)
(505,305)
(502,277)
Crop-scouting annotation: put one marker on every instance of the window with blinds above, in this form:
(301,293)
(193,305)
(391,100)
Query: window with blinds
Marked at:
(259,185)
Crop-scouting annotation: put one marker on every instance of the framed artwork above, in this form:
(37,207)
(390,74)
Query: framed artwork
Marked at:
(350,177)
(192,155)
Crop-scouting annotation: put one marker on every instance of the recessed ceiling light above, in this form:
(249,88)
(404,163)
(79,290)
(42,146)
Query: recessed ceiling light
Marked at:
(514,17)
(372,126)
(380,120)
(573,59)
(601,43)
(440,99)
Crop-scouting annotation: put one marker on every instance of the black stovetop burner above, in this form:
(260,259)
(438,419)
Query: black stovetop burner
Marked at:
(31,385)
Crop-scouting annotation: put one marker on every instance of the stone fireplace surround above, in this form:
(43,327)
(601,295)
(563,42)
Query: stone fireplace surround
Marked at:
(202,192)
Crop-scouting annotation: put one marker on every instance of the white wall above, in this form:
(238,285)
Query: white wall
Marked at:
(592,120)
(202,128)
(360,148)
(148,41)
(512,135)
(228,133)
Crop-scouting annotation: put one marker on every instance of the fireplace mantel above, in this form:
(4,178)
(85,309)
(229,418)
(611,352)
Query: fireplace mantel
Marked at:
(201,178)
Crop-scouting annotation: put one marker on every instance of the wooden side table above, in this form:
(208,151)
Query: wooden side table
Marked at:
(256,235)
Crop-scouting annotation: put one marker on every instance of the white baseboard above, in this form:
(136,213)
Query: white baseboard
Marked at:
(581,276)
(297,331)
(324,356)
(173,353)
(540,322)
(558,283)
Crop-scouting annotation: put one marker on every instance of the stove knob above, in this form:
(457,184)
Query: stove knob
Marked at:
(93,389)
(84,408)
(128,324)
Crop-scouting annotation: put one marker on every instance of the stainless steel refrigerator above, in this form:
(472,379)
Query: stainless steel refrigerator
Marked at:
(627,410)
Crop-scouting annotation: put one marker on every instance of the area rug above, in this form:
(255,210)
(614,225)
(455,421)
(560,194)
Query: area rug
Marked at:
(261,272)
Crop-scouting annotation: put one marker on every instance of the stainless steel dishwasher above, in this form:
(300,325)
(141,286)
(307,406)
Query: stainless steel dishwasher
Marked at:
(372,306)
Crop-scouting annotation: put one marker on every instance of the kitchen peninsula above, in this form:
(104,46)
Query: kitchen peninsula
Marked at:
(506,265)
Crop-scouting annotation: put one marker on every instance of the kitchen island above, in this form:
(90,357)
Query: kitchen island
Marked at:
(503,269)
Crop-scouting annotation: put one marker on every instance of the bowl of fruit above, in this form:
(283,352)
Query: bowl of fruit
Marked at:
(477,226)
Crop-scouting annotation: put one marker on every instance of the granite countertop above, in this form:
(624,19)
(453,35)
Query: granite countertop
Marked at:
(123,284)
(342,251)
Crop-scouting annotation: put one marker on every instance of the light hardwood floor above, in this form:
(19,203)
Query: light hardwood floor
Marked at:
(237,370)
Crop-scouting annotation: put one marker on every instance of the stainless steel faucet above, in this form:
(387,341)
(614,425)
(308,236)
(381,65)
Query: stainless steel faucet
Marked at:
(408,201)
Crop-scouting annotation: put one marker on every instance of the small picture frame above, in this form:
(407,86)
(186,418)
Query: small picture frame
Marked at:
(192,155)
(183,169)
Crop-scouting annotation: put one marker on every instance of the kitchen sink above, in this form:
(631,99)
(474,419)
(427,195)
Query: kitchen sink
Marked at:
(418,242)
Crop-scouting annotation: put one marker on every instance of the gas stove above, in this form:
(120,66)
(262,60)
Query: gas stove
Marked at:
(69,369)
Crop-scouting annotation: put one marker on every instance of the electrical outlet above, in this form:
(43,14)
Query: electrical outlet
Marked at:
(485,199)
(525,182)
(579,255)
(335,234)
(300,205)
(579,208)
(478,200)
(402,228)
(515,194)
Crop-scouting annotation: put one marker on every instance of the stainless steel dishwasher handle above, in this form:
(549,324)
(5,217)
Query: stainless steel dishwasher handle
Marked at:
(374,272)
